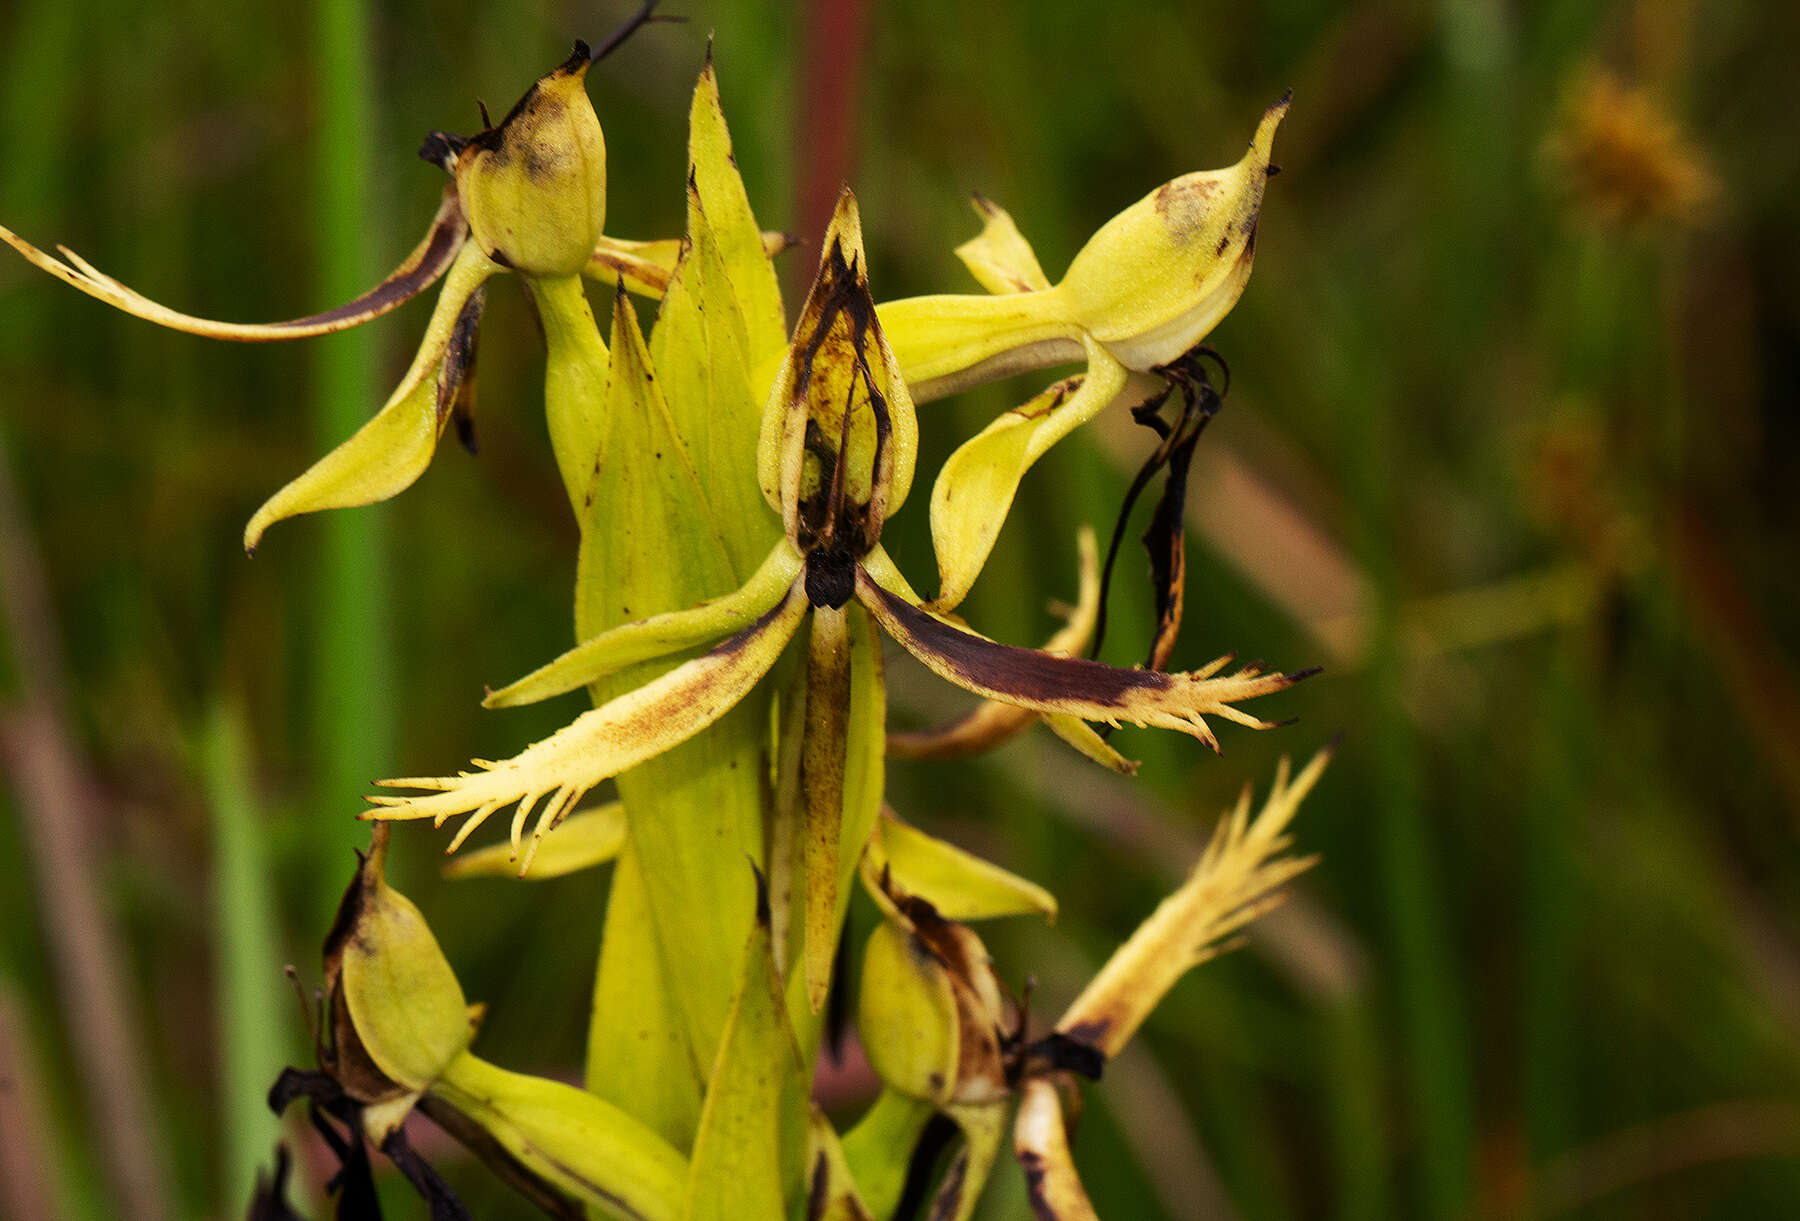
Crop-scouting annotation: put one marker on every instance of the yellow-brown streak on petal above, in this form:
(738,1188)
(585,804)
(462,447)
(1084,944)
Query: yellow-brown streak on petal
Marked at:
(1000,257)
(429,260)
(993,723)
(646,267)
(1042,1147)
(656,636)
(1070,686)
(1235,880)
(384,456)
(822,781)
(618,735)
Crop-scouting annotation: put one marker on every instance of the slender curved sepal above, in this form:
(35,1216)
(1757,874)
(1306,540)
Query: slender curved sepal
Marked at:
(993,723)
(430,259)
(383,457)
(641,640)
(1070,686)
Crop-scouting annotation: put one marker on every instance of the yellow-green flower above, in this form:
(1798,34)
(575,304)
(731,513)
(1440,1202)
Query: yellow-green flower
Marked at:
(838,445)
(1145,290)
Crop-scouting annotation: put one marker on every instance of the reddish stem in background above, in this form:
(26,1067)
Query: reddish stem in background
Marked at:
(825,136)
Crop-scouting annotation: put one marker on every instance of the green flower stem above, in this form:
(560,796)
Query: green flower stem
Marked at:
(248,986)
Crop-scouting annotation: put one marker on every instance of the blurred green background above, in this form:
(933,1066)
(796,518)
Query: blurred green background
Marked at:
(1510,450)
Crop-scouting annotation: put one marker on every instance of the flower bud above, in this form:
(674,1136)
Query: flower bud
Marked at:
(398,1016)
(534,188)
(931,1009)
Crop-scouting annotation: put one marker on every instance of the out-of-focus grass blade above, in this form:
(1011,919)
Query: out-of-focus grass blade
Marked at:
(352,666)
(248,981)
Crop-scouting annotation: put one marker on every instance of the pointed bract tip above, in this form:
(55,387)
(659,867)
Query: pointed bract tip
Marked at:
(1337,740)
(1297,675)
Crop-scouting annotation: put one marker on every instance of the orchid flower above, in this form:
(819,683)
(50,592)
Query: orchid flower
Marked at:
(839,439)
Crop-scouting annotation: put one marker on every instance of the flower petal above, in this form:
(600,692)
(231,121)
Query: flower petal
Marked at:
(959,884)
(583,840)
(1042,1147)
(950,341)
(1070,685)
(384,456)
(600,744)
(999,256)
(993,723)
(1234,881)
(647,267)
(429,260)
(975,490)
(656,636)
